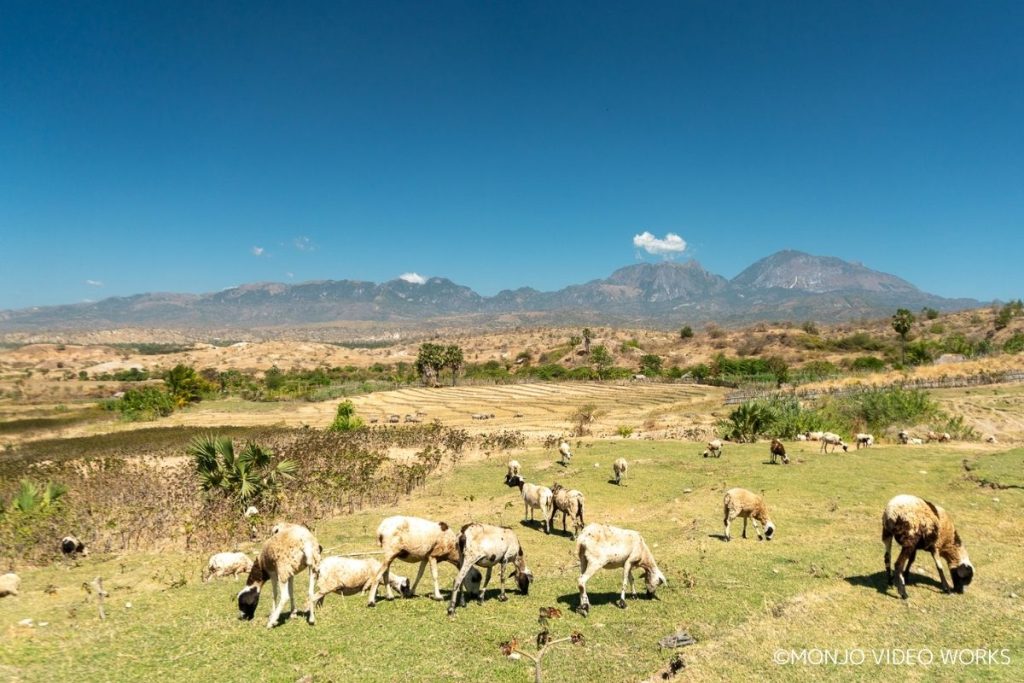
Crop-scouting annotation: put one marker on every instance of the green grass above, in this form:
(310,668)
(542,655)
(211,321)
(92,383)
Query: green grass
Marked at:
(818,585)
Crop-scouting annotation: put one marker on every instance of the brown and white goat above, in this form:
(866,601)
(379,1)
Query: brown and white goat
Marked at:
(748,505)
(486,545)
(290,549)
(570,503)
(916,525)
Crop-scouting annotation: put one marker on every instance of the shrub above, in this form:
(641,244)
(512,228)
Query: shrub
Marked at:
(878,409)
(1014,344)
(144,403)
(686,332)
(624,431)
(867,364)
(581,419)
(346,419)
(650,364)
(810,327)
(929,313)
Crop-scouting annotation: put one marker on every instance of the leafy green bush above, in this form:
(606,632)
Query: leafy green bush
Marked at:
(878,409)
(650,364)
(346,419)
(686,332)
(624,431)
(144,403)
(1014,344)
(867,364)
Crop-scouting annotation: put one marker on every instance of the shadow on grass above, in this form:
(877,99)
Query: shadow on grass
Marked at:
(612,481)
(720,537)
(881,584)
(533,524)
(572,600)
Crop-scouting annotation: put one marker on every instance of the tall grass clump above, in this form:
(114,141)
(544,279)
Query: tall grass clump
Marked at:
(877,409)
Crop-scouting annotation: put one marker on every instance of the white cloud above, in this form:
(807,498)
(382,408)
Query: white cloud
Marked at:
(94,283)
(257,251)
(303,244)
(671,244)
(414,278)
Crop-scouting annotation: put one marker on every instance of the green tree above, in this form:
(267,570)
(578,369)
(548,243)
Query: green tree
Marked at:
(929,313)
(430,362)
(575,341)
(600,357)
(345,420)
(184,385)
(454,359)
(650,364)
(686,332)
(587,336)
(247,477)
(902,321)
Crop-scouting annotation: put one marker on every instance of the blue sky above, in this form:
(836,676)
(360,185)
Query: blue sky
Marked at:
(193,146)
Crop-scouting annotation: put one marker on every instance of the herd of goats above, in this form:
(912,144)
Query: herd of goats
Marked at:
(914,523)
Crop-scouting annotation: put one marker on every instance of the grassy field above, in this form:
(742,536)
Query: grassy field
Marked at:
(819,584)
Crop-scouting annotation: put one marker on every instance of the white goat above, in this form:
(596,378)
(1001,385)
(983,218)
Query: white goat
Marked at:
(350,576)
(535,497)
(601,546)
(413,539)
(620,468)
(833,440)
(566,454)
(227,564)
(714,448)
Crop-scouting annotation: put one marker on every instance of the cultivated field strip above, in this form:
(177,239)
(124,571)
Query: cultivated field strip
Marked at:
(541,405)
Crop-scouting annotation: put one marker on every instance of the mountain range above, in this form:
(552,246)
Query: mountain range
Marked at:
(786,285)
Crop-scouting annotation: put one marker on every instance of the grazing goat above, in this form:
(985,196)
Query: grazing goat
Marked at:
(833,440)
(916,442)
(9,585)
(71,546)
(601,546)
(714,448)
(814,436)
(916,525)
(903,437)
(413,539)
(619,469)
(535,497)
(486,545)
(863,440)
(290,549)
(565,453)
(350,576)
(227,564)
(514,469)
(778,450)
(748,505)
(568,502)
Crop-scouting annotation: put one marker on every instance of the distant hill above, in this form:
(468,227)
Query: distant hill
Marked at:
(786,285)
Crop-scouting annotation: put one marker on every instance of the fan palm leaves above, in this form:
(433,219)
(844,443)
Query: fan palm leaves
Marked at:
(245,476)
(31,498)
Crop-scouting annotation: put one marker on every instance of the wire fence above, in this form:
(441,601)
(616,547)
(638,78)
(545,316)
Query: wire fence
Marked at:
(982,379)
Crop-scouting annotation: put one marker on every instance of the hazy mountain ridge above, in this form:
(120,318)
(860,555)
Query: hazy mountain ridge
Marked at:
(788,284)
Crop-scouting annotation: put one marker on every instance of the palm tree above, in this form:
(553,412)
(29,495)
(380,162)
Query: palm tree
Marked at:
(454,359)
(30,497)
(245,476)
(902,321)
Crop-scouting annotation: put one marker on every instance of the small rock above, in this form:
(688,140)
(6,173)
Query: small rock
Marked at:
(596,465)
(687,490)
(25,622)
(995,500)
(515,655)
(44,623)
(1013,595)
(128,605)
(921,472)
